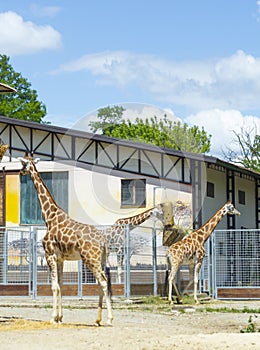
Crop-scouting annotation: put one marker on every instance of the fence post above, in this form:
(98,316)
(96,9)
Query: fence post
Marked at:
(154,246)
(33,239)
(5,256)
(213,269)
(127,283)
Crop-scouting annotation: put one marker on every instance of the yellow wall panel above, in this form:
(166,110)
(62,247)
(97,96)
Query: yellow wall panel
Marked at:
(12,199)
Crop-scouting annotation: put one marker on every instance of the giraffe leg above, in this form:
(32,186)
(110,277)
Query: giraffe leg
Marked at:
(191,266)
(119,273)
(60,282)
(171,282)
(120,261)
(103,291)
(100,302)
(196,279)
(52,262)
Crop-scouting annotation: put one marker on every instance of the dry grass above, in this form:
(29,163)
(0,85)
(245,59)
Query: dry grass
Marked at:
(19,324)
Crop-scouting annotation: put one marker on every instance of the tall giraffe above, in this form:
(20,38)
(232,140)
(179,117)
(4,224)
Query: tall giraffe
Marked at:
(192,247)
(115,234)
(67,239)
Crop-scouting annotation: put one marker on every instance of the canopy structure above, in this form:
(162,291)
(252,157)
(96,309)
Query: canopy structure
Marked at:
(6,88)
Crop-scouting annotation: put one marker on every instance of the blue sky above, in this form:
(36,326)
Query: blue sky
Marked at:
(198,60)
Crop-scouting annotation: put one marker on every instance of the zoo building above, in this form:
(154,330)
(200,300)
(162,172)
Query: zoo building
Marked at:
(99,180)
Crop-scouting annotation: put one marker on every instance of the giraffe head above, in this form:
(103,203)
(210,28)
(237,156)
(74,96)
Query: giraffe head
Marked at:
(230,209)
(26,163)
(164,213)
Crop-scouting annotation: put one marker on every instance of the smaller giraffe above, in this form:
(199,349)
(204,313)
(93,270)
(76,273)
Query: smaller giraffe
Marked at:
(138,219)
(115,234)
(192,247)
(172,232)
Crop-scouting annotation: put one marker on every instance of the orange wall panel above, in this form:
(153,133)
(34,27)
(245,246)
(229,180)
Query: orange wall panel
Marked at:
(12,199)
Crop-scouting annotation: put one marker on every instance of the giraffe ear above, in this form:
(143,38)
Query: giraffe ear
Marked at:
(36,160)
(23,161)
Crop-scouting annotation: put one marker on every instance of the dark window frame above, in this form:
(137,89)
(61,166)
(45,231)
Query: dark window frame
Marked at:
(241,197)
(57,183)
(133,193)
(210,189)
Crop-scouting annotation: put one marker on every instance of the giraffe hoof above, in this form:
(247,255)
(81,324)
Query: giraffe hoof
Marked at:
(97,323)
(56,320)
(109,323)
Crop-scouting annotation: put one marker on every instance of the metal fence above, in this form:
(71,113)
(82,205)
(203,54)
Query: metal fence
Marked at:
(232,263)
(236,263)
(22,262)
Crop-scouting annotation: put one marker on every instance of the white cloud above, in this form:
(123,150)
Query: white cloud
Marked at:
(258,5)
(18,37)
(132,111)
(227,83)
(221,124)
(143,111)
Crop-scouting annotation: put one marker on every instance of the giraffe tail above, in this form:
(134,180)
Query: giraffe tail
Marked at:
(108,276)
(167,275)
(106,268)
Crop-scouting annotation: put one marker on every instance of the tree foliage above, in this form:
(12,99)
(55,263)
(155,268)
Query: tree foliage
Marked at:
(160,132)
(24,103)
(109,117)
(248,154)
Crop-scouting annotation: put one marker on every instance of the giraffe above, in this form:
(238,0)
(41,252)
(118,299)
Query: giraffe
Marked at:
(192,247)
(174,232)
(115,234)
(67,239)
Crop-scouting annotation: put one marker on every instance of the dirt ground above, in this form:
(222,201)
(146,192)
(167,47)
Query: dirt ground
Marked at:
(25,325)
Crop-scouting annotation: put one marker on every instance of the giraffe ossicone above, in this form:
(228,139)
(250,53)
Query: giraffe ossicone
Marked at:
(67,239)
(191,247)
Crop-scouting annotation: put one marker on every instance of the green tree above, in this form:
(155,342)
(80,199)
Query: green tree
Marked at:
(247,152)
(108,117)
(160,132)
(24,103)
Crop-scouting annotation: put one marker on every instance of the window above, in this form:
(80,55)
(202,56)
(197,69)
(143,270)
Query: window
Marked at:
(210,190)
(241,197)
(57,183)
(133,193)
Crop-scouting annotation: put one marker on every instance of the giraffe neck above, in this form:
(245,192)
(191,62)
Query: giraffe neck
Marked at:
(136,219)
(47,202)
(210,225)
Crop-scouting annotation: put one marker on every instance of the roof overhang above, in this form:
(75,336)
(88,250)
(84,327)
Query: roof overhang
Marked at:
(6,88)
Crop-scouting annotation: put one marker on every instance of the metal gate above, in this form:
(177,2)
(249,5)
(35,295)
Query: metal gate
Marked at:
(236,264)
(145,262)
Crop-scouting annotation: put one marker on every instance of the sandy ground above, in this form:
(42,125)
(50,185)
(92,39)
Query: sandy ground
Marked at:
(134,327)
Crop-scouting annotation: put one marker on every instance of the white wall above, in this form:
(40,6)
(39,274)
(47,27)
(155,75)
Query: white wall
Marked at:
(211,205)
(247,210)
(95,198)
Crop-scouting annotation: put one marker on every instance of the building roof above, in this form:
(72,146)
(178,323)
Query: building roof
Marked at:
(127,143)
(6,88)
